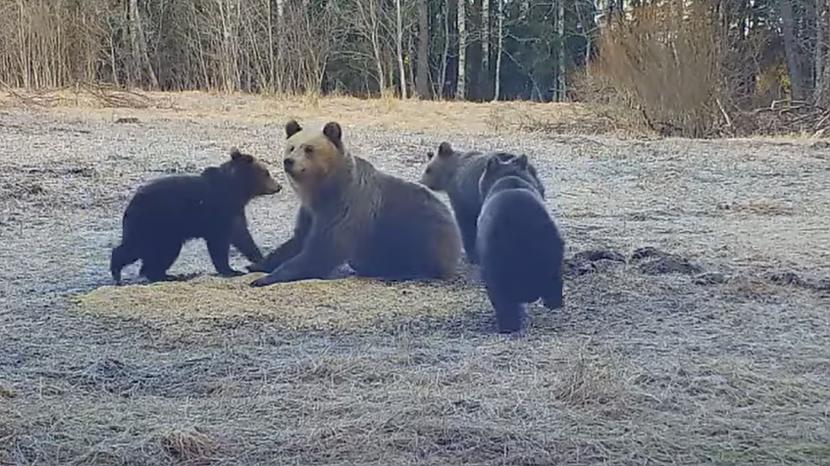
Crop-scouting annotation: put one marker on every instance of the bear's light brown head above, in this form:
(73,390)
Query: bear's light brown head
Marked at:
(312,156)
(441,168)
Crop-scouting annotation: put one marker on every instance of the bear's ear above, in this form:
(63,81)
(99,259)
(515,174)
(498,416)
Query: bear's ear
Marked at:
(505,157)
(430,155)
(292,128)
(521,161)
(445,149)
(333,131)
(493,162)
(236,155)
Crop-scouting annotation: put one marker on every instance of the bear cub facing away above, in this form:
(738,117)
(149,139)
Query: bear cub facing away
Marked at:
(519,245)
(381,225)
(167,212)
(457,174)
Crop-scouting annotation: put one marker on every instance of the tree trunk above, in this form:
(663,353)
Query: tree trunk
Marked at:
(485,37)
(821,22)
(560,78)
(278,68)
(460,90)
(824,95)
(791,50)
(422,76)
(139,45)
(399,44)
(446,53)
(373,18)
(499,49)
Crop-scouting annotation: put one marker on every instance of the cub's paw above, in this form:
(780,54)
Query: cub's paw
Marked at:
(263,281)
(231,273)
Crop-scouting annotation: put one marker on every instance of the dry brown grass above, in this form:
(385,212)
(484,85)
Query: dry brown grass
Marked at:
(382,113)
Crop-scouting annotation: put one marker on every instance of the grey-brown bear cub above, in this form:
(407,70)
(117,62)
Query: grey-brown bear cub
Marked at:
(519,246)
(457,174)
(167,212)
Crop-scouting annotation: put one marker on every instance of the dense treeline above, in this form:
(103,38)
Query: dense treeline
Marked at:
(733,53)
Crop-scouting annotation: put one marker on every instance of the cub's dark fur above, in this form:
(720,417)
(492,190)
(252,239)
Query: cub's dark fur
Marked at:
(457,174)
(519,245)
(382,226)
(167,212)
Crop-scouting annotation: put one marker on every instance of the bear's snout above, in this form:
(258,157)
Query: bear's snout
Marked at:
(288,164)
(272,187)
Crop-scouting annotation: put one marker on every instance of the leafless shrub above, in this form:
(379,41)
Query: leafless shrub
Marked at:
(666,63)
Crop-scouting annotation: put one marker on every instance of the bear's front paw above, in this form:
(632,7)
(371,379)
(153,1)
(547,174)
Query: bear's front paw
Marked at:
(231,273)
(263,281)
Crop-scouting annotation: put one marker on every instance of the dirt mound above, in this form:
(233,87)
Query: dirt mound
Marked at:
(302,305)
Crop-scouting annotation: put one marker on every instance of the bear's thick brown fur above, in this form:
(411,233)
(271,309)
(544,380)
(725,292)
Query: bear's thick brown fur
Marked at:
(382,226)
(457,173)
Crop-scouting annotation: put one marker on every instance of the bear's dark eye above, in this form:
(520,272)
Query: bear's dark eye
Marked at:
(308,150)
(290,148)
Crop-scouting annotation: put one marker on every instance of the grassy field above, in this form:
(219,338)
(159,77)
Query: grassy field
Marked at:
(711,347)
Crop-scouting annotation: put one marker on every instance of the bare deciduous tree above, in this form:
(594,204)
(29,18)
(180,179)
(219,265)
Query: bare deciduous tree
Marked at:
(422,75)
(460,91)
(791,49)
(560,59)
(499,49)
(141,59)
(445,54)
(399,46)
(485,36)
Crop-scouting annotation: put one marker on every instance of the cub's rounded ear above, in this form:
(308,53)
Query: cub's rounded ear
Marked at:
(493,162)
(292,128)
(430,155)
(333,131)
(504,157)
(236,155)
(521,161)
(445,149)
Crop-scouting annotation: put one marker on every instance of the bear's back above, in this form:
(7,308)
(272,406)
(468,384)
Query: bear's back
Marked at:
(406,224)
(178,206)
(519,244)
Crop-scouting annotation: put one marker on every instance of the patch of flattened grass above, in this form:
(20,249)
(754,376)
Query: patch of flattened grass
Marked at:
(338,304)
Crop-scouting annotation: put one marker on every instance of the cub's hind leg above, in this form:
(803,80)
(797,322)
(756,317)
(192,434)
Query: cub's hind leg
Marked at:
(156,261)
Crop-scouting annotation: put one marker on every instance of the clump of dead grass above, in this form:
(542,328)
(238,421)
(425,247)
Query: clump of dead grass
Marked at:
(188,445)
(7,392)
(302,305)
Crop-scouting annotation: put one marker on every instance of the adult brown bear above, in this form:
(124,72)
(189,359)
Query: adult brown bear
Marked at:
(382,226)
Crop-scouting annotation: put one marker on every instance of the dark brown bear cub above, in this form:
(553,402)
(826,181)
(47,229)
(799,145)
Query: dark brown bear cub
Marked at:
(519,246)
(457,173)
(166,213)
(382,226)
